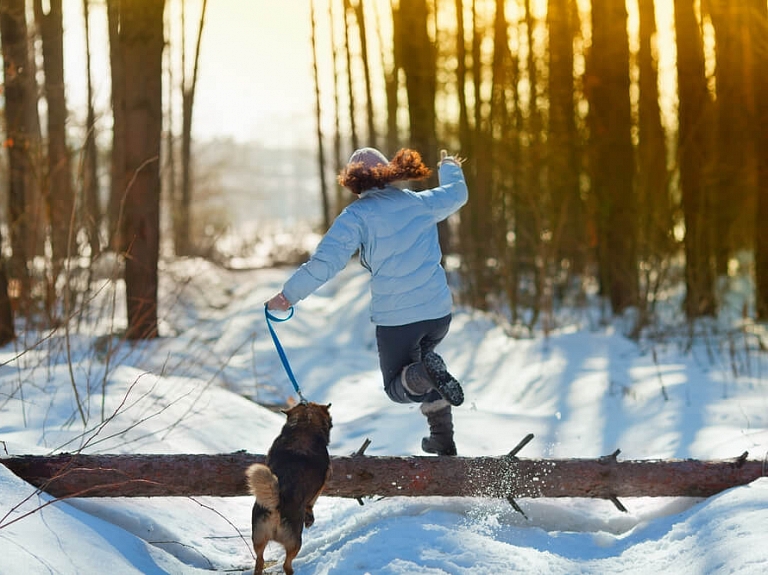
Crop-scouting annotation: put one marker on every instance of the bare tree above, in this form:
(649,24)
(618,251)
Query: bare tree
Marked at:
(17,84)
(613,167)
(58,192)
(350,86)
(90,194)
(758,26)
(562,138)
(141,50)
(117,162)
(318,111)
(654,205)
(419,65)
(182,227)
(693,158)
(359,12)
(732,143)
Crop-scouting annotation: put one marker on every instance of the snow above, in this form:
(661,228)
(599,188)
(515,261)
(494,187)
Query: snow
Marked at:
(584,390)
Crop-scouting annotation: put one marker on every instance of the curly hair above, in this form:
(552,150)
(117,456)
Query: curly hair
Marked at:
(406,165)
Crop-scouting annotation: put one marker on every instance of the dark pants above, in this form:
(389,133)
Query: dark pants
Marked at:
(406,344)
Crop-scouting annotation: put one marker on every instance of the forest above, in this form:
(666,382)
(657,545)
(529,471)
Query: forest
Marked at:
(615,145)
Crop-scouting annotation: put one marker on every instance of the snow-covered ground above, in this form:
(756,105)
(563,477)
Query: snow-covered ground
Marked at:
(584,391)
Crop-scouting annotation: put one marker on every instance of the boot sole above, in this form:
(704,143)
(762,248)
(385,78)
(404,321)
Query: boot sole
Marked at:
(446,385)
(425,447)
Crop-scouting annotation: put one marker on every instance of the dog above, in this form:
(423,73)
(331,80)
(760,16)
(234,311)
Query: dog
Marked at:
(297,468)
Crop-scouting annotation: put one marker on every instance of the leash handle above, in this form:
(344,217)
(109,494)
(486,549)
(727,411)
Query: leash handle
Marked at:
(280,351)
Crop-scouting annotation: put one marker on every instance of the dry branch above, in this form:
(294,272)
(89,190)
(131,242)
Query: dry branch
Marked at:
(357,476)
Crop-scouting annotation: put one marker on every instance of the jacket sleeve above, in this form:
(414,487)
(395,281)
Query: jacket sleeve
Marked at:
(450,195)
(331,256)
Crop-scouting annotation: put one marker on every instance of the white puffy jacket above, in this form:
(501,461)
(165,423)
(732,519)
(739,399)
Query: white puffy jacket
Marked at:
(396,232)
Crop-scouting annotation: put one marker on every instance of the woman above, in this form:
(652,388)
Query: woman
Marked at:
(396,232)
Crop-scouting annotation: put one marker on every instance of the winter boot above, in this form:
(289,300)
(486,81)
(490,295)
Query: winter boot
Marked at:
(440,420)
(447,385)
(416,381)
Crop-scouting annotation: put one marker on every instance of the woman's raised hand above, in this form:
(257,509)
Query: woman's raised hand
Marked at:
(445,157)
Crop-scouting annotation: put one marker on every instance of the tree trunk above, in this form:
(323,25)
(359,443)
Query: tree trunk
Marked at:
(115,206)
(418,64)
(732,189)
(655,240)
(341,195)
(391,86)
(350,88)
(758,21)
(613,168)
(183,243)
(693,159)
(360,476)
(319,125)
(91,202)
(7,329)
(360,18)
(59,194)
(141,43)
(562,142)
(13,34)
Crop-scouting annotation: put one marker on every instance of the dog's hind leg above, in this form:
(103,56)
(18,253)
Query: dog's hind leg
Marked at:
(291,550)
(309,514)
(258,547)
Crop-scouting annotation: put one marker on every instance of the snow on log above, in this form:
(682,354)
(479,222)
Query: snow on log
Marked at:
(358,476)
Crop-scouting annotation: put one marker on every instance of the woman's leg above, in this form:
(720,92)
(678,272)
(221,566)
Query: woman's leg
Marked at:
(400,346)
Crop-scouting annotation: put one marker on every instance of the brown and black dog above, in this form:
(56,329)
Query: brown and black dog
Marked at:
(286,488)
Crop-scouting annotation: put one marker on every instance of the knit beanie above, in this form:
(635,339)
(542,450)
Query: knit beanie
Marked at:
(369,157)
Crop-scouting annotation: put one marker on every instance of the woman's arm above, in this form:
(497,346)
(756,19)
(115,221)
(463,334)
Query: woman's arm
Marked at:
(331,256)
(452,192)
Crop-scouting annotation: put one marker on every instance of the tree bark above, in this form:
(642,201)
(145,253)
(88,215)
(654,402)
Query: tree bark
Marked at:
(350,89)
(694,130)
(732,144)
(60,195)
(117,161)
(358,476)
(607,84)
(90,176)
(325,200)
(183,226)
(141,43)
(17,93)
(562,139)
(359,12)
(758,23)
(418,53)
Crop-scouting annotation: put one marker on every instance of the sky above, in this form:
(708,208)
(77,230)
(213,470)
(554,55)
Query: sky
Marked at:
(584,390)
(255,75)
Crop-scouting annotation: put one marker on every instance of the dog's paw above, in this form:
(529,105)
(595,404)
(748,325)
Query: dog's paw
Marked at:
(309,517)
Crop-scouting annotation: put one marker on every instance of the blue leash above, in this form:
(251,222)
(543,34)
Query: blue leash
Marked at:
(280,350)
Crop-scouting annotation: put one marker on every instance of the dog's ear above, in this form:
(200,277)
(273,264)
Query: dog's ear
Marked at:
(328,406)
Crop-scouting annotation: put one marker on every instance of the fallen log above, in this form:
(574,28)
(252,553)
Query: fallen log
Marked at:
(358,476)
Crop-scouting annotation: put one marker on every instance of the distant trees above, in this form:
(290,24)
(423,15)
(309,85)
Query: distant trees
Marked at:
(587,160)
(583,159)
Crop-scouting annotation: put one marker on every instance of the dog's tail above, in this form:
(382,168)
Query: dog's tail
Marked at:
(262,484)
